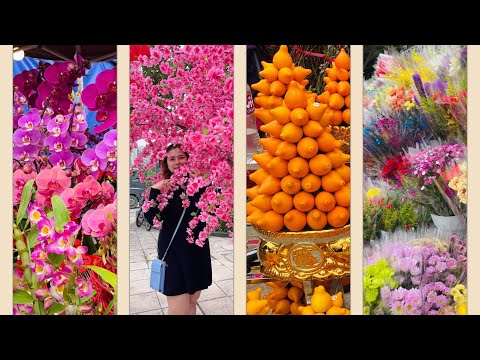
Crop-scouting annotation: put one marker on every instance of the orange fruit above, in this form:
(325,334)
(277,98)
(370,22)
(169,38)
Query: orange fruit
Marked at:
(263,86)
(326,142)
(325,201)
(291,133)
(299,117)
(271,221)
(323,97)
(315,109)
(295,96)
(263,115)
(342,196)
(295,220)
(263,202)
(255,216)
(250,208)
(338,217)
(336,118)
(326,118)
(285,75)
(338,157)
(331,87)
(298,167)
(270,144)
(320,164)
(258,176)
(281,114)
(301,73)
(273,128)
(311,183)
(278,167)
(282,202)
(312,129)
(303,201)
(307,148)
(343,88)
(269,72)
(331,182)
(346,116)
(282,58)
(291,185)
(347,101)
(262,159)
(342,61)
(344,172)
(343,75)
(336,101)
(332,73)
(286,150)
(252,192)
(277,88)
(269,186)
(316,219)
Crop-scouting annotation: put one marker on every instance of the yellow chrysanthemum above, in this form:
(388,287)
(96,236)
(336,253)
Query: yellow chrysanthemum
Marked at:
(372,193)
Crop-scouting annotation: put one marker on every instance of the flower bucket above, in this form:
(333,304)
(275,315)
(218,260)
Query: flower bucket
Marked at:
(449,223)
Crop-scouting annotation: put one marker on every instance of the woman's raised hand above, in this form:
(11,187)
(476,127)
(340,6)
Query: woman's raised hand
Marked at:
(163,184)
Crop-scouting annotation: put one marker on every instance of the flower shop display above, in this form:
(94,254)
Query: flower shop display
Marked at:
(300,203)
(183,94)
(415,182)
(64,195)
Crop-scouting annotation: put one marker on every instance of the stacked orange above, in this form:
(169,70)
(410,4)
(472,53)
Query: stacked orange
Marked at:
(337,90)
(303,181)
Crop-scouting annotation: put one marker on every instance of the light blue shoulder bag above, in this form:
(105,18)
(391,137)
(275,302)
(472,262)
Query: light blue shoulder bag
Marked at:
(159,266)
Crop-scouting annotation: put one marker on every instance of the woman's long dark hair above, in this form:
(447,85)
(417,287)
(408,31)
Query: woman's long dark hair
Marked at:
(164,171)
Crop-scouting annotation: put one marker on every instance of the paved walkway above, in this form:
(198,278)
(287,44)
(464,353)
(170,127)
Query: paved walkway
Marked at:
(216,300)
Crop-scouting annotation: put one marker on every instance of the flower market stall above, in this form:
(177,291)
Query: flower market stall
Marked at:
(300,197)
(415,181)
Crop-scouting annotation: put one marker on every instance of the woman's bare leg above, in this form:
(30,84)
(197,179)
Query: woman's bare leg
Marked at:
(179,304)
(193,302)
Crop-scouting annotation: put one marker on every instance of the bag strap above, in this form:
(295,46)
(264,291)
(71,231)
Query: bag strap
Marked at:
(173,236)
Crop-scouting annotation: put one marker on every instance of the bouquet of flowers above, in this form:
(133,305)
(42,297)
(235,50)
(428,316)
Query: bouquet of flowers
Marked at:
(414,276)
(64,195)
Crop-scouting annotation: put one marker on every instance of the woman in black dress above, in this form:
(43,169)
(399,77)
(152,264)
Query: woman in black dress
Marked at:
(189,267)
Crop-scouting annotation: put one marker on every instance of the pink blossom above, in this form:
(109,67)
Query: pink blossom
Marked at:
(52,181)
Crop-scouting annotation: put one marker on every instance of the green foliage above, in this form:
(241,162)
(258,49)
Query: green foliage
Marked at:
(26,196)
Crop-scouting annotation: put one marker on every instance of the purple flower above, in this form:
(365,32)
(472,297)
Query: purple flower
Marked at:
(39,255)
(92,161)
(415,270)
(431,296)
(103,94)
(23,137)
(78,140)
(84,287)
(417,80)
(107,148)
(397,307)
(41,269)
(58,143)
(441,301)
(58,125)
(441,266)
(25,153)
(433,312)
(108,118)
(31,121)
(26,81)
(451,264)
(22,309)
(74,255)
(42,293)
(439,286)
(35,213)
(63,159)
(46,228)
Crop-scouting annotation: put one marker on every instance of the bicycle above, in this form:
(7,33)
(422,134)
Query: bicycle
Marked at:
(141,219)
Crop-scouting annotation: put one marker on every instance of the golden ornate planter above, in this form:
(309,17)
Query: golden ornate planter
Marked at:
(308,255)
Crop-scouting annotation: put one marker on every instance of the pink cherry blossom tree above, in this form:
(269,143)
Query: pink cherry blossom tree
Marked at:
(184,94)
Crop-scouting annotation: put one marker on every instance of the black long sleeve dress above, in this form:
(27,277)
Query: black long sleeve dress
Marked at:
(189,266)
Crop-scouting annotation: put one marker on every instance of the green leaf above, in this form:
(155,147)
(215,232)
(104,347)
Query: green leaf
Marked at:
(32,237)
(105,274)
(56,308)
(22,297)
(110,305)
(205,131)
(88,241)
(50,214)
(26,196)
(56,259)
(60,212)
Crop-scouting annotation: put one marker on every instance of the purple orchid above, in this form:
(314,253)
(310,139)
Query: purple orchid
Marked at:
(63,159)
(93,162)
(25,153)
(31,121)
(59,143)
(84,287)
(74,255)
(103,94)
(26,81)
(78,140)
(23,137)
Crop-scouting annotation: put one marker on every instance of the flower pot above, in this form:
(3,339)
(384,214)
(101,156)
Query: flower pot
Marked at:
(449,223)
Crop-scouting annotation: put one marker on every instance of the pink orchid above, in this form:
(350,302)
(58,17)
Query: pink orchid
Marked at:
(84,287)
(52,180)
